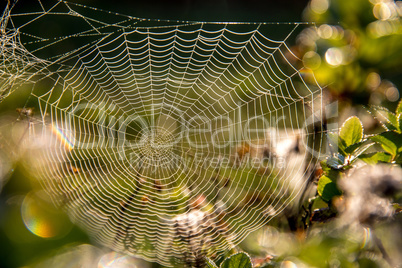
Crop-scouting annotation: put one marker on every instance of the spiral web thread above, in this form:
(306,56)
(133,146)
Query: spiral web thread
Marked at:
(149,128)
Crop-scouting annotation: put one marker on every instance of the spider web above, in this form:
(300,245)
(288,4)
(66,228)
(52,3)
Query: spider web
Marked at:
(169,140)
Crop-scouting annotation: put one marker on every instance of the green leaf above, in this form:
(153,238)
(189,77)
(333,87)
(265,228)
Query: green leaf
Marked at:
(399,119)
(350,149)
(387,118)
(327,188)
(238,260)
(375,158)
(358,148)
(210,263)
(399,108)
(393,122)
(390,141)
(351,131)
(362,149)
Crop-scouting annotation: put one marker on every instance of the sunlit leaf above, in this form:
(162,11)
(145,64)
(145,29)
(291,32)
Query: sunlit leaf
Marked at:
(361,149)
(391,142)
(399,122)
(387,118)
(351,131)
(399,108)
(358,148)
(376,157)
(327,188)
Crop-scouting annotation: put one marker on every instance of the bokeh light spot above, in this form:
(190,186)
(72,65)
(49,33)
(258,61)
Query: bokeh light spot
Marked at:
(288,264)
(381,11)
(319,6)
(373,80)
(392,94)
(383,28)
(116,260)
(269,237)
(385,10)
(334,56)
(337,32)
(325,31)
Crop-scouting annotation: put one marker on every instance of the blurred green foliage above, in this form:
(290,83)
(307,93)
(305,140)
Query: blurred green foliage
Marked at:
(355,50)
